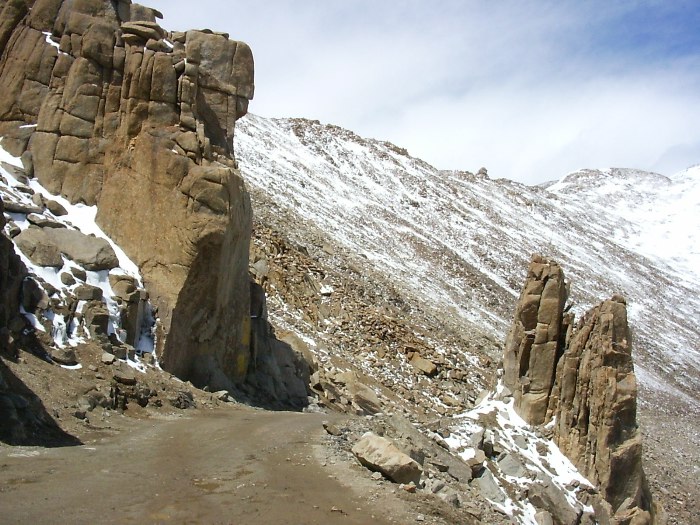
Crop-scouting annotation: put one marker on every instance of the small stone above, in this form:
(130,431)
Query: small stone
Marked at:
(64,356)
(67,279)
(332,429)
(377,476)
(108,358)
(55,208)
(410,487)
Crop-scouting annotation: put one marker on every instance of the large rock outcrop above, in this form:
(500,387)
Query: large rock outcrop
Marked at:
(105,107)
(535,341)
(594,402)
(582,375)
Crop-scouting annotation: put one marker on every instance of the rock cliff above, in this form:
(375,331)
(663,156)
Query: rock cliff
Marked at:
(12,273)
(107,108)
(581,374)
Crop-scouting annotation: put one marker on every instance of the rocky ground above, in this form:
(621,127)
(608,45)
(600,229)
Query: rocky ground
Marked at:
(188,456)
(292,271)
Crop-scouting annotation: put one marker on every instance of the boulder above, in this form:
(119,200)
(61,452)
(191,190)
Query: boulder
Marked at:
(64,356)
(43,222)
(381,455)
(511,466)
(34,297)
(14,207)
(56,208)
(39,248)
(92,253)
(124,374)
(122,285)
(365,398)
(423,365)
(183,400)
(96,318)
(546,496)
(87,292)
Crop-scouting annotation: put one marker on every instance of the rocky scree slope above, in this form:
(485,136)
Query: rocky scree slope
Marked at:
(358,225)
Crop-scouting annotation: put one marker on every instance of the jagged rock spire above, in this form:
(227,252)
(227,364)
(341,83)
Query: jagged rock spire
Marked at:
(582,375)
(535,342)
(594,401)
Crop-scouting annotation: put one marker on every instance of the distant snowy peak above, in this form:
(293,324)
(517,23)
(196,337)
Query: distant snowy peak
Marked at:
(609,181)
(659,215)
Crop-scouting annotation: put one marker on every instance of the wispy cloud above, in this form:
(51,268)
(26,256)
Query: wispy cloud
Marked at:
(529,89)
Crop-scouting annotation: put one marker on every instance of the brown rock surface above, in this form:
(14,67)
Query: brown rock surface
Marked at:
(584,378)
(535,343)
(595,405)
(140,122)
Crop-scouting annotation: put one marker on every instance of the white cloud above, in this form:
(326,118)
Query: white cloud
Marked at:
(531,90)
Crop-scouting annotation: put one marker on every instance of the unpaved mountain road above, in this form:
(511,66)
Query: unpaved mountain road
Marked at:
(229,466)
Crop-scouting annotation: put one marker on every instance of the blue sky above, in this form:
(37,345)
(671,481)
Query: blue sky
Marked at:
(529,89)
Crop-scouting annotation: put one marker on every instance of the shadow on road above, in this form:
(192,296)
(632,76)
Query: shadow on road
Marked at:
(23,417)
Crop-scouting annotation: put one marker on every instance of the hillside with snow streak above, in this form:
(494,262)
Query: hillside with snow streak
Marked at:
(459,242)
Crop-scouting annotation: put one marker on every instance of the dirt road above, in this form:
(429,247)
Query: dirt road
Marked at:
(226,466)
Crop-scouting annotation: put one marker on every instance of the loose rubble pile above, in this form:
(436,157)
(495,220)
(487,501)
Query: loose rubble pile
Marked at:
(360,332)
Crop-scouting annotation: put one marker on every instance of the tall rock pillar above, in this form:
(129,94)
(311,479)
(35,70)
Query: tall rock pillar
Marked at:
(594,402)
(582,375)
(535,343)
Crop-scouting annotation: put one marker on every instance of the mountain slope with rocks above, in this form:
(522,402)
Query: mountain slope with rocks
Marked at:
(361,281)
(366,227)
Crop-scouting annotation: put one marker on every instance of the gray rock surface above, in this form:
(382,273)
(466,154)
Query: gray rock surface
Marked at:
(92,253)
(39,247)
(381,455)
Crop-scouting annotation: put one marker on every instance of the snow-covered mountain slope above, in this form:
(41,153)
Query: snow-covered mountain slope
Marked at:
(460,242)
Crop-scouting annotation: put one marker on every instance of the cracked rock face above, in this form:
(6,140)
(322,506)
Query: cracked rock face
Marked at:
(595,405)
(107,108)
(535,342)
(583,376)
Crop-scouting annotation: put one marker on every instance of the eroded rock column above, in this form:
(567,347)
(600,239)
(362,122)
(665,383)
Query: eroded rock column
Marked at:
(594,402)
(535,343)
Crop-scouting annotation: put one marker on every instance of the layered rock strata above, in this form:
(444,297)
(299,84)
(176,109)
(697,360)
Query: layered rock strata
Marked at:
(105,107)
(583,376)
